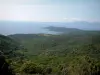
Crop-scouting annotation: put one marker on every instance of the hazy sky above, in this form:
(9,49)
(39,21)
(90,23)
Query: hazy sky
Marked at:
(50,10)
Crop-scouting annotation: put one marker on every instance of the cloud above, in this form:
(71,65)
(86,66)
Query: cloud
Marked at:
(72,19)
(79,19)
(20,2)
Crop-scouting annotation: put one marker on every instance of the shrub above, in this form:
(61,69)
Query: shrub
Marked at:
(31,68)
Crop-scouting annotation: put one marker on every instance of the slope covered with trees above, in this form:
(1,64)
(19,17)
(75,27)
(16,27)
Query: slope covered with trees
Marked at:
(8,46)
(74,53)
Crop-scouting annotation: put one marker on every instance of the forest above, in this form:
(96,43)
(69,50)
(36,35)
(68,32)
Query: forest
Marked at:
(76,52)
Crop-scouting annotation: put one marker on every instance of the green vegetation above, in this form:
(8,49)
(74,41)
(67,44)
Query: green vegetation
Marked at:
(64,54)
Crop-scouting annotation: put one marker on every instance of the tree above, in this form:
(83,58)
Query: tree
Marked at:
(4,67)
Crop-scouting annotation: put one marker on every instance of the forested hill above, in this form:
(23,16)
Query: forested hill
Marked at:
(8,46)
(74,53)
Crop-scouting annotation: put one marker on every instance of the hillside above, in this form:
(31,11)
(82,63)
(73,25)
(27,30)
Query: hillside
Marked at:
(8,46)
(74,53)
(59,44)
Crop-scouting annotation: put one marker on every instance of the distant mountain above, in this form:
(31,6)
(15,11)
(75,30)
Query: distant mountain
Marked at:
(8,28)
(65,30)
(59,30)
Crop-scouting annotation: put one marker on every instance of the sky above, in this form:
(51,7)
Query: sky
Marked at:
(50,10)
